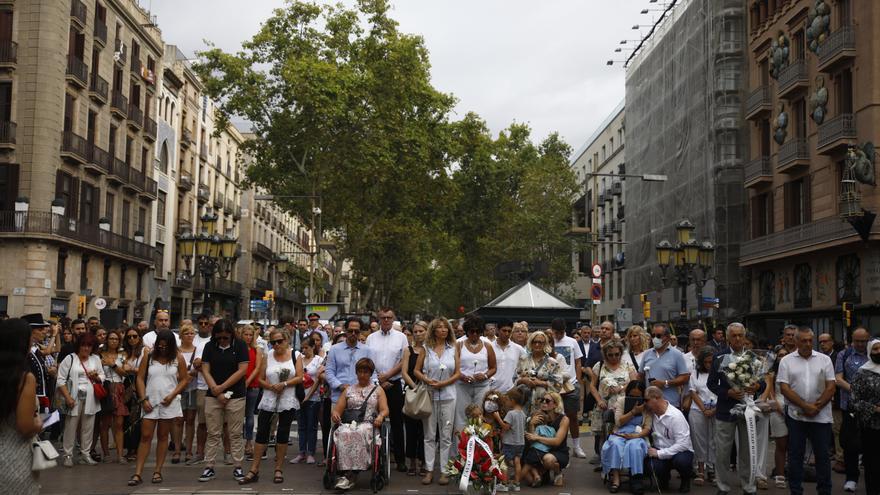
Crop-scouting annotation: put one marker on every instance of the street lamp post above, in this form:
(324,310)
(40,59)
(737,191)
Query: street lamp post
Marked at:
(213,254)
(690,261)
(280,263)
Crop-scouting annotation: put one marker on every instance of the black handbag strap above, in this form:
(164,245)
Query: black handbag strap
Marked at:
(363,410)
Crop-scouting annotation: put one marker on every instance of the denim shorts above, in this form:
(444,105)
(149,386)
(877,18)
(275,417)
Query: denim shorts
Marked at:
(510,452)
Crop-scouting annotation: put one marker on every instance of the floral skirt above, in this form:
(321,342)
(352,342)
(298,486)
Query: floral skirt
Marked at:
(353,446)
(117,394)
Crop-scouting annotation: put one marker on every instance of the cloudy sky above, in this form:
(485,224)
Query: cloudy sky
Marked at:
(542,62)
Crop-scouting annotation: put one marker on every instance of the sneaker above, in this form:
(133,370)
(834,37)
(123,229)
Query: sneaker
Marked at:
(207,475)
(265,454)
(238,474)
(298,459)
(849,486)
(501,487)
(310,459)
(86,460)
(68,461)
(579,452)
(514,487)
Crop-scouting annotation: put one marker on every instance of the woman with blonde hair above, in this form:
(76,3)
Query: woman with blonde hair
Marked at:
(438,367)
(539,372)
(520,333)
(636,346)
(248,335)
(546,433)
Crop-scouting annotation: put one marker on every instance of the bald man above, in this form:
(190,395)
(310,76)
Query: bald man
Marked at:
(696,341)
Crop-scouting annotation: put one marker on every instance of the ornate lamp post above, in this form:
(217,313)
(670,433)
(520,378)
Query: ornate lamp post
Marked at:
(690,261)
(214,255)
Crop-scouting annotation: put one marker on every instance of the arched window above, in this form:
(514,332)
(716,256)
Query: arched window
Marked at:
(171,117)
(163,158)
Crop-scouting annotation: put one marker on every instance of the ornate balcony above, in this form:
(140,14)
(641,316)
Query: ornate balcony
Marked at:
(77,71)
(151,188)
(186,181)
(135,117)
(97,160)
(617,188)
(836,133)
(79,13)
(204,193)
(100,32)
(136,66)
(837,49)
(796,238)
(758,172)
(262,251)
(46,225)
(758,103)
(8,53)
(136,180)
(98,89)
(74,147)
(119,104)
(186,138)
(150,129)
(7,134)
(203,152)
(792,156)
(793,80)
(218,200)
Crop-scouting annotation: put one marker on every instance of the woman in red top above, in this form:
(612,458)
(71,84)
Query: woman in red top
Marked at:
(247,333)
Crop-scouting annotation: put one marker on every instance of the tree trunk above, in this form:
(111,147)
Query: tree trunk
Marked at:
(368,295)
(335,280)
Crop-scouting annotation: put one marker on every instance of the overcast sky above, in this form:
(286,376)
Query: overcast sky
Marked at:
(542,62)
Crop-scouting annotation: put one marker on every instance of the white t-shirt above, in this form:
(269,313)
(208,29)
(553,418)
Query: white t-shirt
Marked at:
(200,342)
(150,338)
(568,350)
(506,361)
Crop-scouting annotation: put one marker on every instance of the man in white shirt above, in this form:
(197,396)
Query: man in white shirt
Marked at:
(162,321)
(386,348)
(696,341)
(806,380)
(507,356)
(203,336)
(568,349)
(672,442)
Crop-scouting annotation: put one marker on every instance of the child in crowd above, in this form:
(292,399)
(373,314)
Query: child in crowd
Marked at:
(513,428)
(494,409)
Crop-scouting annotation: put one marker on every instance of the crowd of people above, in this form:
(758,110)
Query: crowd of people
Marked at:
(214,392)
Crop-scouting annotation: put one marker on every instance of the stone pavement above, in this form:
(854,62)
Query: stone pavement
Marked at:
(111,479)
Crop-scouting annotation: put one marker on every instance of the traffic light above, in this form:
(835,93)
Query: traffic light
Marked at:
(646,305)
(847,314)
(81,306)
(269,296)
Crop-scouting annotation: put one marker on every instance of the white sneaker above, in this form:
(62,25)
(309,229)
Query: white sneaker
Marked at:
(579,452)
(850,486)
(68,461)
(87,460)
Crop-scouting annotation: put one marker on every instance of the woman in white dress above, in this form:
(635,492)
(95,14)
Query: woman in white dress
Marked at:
(161,378)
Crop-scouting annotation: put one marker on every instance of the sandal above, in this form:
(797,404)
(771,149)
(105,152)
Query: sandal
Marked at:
(157,477)
(250,477)
(175,458)
(279,476)
(135,480)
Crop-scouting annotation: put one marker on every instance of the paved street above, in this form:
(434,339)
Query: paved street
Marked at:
(300,479)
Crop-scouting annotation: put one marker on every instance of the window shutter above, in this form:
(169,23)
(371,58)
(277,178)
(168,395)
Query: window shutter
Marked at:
(769,213)
(73,207)
(808,198)
(10,186)
(787,204)
(756,230)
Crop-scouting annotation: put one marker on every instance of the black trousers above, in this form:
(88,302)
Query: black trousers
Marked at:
(871,457)
(681,462)
(394,394)
(849,441)
(415,438)
(264,424)
(324,417)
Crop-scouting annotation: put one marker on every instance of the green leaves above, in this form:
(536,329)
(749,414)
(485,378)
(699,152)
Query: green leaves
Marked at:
(342,106)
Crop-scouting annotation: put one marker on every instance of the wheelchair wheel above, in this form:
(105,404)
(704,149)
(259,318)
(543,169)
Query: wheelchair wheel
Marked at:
(328,480)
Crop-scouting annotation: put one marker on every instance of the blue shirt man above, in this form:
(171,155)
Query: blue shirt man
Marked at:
(342,358)
(665,366)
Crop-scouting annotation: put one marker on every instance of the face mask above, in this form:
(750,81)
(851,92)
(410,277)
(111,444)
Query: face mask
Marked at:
(490,406)
(875,358)
(657,341)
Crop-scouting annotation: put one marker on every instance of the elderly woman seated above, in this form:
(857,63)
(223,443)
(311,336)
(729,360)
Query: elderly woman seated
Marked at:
(360,409)
(627,446)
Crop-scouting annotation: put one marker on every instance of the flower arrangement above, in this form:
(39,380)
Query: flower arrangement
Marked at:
(744,370)
(474,459)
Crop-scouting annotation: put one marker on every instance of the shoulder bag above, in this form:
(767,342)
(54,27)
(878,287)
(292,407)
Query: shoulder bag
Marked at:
(98,387)
(44,455)
(417,402)
(357,415)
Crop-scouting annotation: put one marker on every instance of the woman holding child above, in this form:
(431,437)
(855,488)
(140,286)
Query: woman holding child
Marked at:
(546,454)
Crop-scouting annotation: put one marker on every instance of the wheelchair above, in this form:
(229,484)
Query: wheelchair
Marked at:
(380,459)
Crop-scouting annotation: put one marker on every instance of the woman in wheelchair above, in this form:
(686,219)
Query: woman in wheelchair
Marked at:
(361,408)
(627,446)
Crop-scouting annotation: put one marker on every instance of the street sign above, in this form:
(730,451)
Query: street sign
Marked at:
(258,305)
(597,281)
(100,303)
(596,270)
(624,318)
(596,292)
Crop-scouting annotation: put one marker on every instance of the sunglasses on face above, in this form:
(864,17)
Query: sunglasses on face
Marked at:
(276,341)
(132,336)
(547,400)
(613,355)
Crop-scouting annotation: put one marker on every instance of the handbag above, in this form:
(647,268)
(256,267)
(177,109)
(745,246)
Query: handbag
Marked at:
(98,387)
(357,415)
(417,402)
(44,455)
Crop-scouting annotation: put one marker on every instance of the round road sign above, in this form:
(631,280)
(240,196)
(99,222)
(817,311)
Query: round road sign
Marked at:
(596,270)
(100,303)
(596,292)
